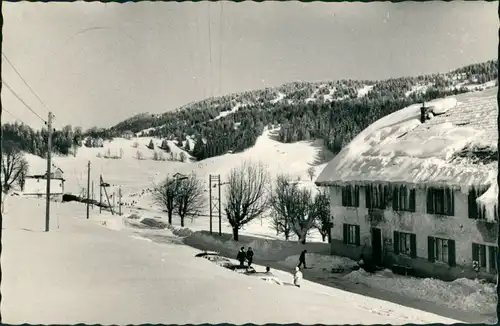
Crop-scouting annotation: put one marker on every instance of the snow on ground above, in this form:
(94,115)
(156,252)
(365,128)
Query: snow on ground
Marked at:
(137,176)
(225,113)
(279,98)
(463,294)
(322,262)
(81,272)
(365,90)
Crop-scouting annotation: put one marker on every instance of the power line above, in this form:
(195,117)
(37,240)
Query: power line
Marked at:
(210,51)
(20,99)
(220,44)
(12,114)
(25,82)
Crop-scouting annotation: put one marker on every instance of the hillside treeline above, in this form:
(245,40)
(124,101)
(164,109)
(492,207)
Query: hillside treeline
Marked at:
(336,120)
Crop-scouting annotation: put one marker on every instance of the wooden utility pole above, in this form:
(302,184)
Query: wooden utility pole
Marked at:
(88,189)
(100,195)
(210,199)
(49,173)
(120,201)
(92,204)
(220,214)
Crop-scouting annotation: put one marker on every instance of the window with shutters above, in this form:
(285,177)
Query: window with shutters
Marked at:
(376,196)
(351,234)
(403,199)
(405,243)
(486,257)
(350,196)
(442,250)
(440,201)
(475,211)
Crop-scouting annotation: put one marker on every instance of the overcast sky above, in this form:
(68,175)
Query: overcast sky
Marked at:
(97,64)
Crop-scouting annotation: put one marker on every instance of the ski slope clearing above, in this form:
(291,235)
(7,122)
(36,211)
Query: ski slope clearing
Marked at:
(138,176)
(83,272)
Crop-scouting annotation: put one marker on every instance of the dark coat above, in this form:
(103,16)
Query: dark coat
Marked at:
(241,255)
(302,256)
(250,254)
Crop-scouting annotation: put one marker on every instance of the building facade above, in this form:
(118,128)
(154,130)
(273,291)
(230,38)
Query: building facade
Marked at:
(416,190)
(434,231)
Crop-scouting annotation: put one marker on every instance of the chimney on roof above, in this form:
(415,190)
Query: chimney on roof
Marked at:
(422,113)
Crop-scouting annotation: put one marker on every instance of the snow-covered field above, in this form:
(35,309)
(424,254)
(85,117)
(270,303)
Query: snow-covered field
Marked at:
(100,271)
(135,176)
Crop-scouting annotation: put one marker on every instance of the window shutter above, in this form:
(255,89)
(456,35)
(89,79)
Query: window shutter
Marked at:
(385,196)
(346,231)
(356,196)
(413,244)
(430,249)
(396,242)
(412,200)
(492,258)
(452,203)
(368,196)
(482,253)
(395,198)
(430,203)
(343,197)
(475,252)
(452,261)
(472,203)
(358,236)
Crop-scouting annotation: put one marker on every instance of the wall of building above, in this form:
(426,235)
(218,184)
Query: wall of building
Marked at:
(38,186)
(460,228)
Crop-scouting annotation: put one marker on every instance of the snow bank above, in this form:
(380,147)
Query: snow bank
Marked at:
(463,294)
(92,275)
(441,106)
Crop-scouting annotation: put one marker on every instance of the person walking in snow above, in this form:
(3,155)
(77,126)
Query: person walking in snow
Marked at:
(241,256)
(297,278)
(249,256)
(302,259)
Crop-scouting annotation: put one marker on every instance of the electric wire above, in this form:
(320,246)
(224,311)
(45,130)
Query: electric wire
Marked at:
(22,101)
(24,80)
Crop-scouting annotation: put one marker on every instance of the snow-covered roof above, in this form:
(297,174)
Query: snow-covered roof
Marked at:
(400,149)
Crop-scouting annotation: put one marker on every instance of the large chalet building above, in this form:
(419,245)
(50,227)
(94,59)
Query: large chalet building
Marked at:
(417,189)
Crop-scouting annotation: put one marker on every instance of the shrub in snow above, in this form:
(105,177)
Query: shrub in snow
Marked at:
(153,223)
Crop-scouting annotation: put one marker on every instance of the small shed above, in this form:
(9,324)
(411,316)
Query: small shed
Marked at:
(35,182)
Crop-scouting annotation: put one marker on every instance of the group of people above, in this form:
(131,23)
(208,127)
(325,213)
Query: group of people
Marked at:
(245,255)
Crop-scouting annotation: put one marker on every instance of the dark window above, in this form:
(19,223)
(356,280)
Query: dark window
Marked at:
(440,201)
(475,211)
(350,196)
(403,199)
(405,244)
(485,256)
(376,196)
(442,250)
(352,234)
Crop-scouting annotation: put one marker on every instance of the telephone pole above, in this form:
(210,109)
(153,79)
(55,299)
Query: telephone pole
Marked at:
(49,173)
(88,189)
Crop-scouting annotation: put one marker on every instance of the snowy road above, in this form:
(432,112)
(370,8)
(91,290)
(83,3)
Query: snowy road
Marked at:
(83,272)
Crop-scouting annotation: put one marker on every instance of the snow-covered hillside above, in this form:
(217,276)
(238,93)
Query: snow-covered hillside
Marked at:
(83,272)
(137,176)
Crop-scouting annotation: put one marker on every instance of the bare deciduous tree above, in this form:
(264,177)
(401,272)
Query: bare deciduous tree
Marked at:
(302,219)
(282,203)
(189,198)
(321,214)
(311,172)
(164,195)
(14,165)
(246,195)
